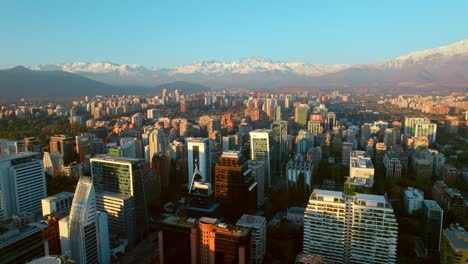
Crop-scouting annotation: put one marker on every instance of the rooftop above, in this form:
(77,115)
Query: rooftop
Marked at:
(108,158)
(458,238)
(114,195)
(251,221)
(60,195)
(433,205)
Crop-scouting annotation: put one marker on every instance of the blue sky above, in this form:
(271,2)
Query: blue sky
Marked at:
(171,33)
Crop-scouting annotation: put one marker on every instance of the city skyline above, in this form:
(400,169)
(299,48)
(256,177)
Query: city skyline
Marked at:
(166,35)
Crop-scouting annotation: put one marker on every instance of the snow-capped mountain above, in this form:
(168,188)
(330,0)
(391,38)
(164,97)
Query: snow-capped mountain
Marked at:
(255,65)
(443,53)
(100,67)
(443,65)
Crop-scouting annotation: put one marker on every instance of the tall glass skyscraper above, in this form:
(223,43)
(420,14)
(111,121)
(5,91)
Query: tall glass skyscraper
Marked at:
(124,176)
(84,234)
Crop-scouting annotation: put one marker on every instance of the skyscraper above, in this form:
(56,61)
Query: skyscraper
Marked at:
(64,145)
(427,130)
(432,219)
(22,185)
(411,122)
(359,228)
(331,120)
(314,127)
(280,136)
(199,155)
(261,149)
(301,113)
(84,234)
(158,143)
(258,233)
(124,176)
(235,187)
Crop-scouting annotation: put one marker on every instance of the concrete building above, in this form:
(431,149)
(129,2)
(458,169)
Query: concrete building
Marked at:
(22,185)
(59,203)
(21,243)
(53,163)
(346,149)
(413,199)
(294,169)
(426,130)
(64,145)
(454,247)
(452,201)
(158,143)
(392,163)
(204,240)
(314,127)
(411,122)
(258,234)
(301,113)
(361,166)
(120,213)
(341,228)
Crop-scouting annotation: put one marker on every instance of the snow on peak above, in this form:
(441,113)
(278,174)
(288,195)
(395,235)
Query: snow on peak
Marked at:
(99,67)
(254,65)
(454,49)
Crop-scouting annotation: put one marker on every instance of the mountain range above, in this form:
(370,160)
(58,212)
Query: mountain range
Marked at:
(439,68)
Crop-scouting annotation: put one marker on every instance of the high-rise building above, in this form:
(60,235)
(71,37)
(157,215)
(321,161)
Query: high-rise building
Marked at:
(124,176)
(235,187)
(392,165)
(454,246)
(261,149)
(452,201)
(258,169)
(11,147)
(22,243)
(341,227)
(331,120)
(158,143)
(119,209)
(64,145)
(205,240)
(432,219)
(53,163)
(301,113)
(413,199)
(299,174)
(22,185)
(59,204)
(426,130)
(315,127)
(84,234)
(346,149)
(199,155)
(280,136)
(411,122)
(258,233)
(31,144)
(452,123)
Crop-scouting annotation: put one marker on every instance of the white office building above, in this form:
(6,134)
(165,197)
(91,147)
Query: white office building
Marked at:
(53,163)
(22,185)
(258,233)
(199,155)
(59,203)
(413,199)
(261,149)
(84,234)
(358,228)
(426,130)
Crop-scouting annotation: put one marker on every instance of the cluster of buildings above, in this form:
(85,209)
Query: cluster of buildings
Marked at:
(213,175)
